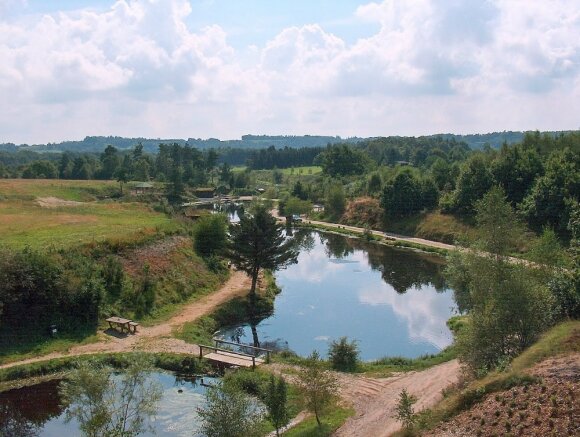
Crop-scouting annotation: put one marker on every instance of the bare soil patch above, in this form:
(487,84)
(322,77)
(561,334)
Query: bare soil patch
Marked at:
(374,399)
(55,202)
(156,255)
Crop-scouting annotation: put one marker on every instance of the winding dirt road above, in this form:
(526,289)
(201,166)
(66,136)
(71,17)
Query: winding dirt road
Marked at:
(157,338)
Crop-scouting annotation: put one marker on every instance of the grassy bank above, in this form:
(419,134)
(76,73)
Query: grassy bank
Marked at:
(18,375)
(373,238)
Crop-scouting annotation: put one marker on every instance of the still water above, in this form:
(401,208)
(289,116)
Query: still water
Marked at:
(36,411)
(393,302)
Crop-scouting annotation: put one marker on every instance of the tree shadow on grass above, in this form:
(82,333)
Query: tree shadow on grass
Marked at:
(14,342)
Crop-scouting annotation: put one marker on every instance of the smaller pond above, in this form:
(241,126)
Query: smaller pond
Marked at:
(36,411)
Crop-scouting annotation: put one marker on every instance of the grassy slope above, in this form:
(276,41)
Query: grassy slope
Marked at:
(24,223)
(80,191)
(97,229)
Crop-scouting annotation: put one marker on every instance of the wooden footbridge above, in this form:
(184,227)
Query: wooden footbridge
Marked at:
(228,357)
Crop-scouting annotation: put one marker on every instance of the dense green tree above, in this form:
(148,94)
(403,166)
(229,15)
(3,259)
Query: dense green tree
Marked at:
(343,160)
(146,295)
(228,412)
(299,191)
(226,173)
(114,277)
(293,205)
(343,354)
(40,170)
(335,202)
(508,306)
(474,181)
(402,195)
(65,166)
(515,170)
(550,200)
(441,174)
(110,161)
(374,184)
(210,235)
(177,187)
(257,243)
(276,398)
(141,170)
(565,284)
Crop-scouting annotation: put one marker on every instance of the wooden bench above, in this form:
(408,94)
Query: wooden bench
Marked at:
(133,327)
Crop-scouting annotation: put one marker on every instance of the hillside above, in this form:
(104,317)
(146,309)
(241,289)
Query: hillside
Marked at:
(96,144)
(537,395)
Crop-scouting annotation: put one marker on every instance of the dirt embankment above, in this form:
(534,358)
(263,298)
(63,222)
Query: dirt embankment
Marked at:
(549,407)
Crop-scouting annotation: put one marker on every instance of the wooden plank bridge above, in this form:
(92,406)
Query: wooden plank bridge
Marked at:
(234,358)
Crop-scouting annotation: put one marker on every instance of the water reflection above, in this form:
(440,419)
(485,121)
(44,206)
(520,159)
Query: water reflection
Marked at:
(394,302)
(424,313)
(19,412)
(36,411)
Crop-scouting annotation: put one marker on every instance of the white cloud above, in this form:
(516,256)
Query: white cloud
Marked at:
(424,311)
(139,69)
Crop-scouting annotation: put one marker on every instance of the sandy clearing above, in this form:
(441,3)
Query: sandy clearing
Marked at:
(158,338)
(55,202)
(374,399)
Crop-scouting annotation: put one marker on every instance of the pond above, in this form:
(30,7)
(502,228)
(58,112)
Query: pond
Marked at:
(394,302)
(35,410)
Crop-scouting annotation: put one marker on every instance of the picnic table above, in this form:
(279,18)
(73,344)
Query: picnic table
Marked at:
(122,324)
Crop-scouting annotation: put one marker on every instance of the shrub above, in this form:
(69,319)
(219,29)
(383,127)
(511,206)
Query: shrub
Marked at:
(404,410)
(344,355)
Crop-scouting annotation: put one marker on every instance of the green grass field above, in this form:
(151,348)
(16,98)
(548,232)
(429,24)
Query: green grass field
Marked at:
(23,222)
(80,191)
(308,170)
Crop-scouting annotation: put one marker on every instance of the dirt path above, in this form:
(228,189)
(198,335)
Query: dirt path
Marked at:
(388,235)
(374,399)
(157,338)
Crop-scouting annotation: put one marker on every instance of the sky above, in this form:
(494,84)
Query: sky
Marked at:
(225,68)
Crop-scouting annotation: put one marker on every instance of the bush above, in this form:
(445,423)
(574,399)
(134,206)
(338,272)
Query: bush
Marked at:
(210,234)
(344,355)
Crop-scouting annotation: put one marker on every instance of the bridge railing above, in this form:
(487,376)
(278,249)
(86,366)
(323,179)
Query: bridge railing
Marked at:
(226,351)
(256,350)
